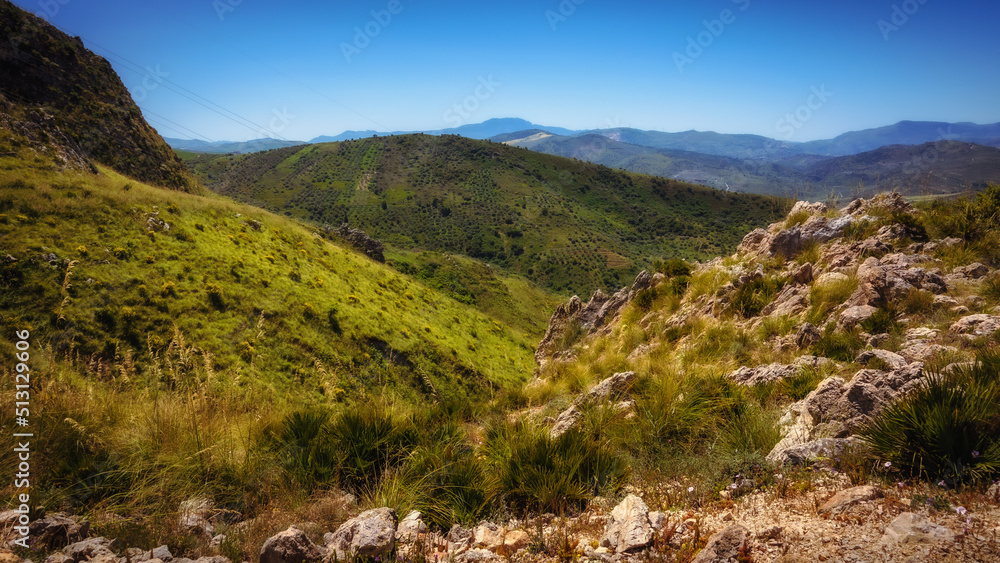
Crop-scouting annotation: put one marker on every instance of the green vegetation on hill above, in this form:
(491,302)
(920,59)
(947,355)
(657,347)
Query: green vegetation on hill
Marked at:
(105,268)
(567,225)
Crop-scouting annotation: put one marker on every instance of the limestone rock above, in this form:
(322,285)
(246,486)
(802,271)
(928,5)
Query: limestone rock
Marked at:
(724,546)
(807,335)
(478,556)
(977,325)
(790,301)
(909,528)
(612,387)
(360,240)
(369,534)
(972,271)
(762,374)
(853,316)
(459,539)
(195,516)
(847,498)
(57,530)
(91,548)
(290,546)
(628,529)
(411,527)
(887,358)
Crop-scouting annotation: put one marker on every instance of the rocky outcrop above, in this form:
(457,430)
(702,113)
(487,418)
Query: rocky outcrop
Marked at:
(370,534)
(628,528)
(843,500)
(837,407)
(360,240)
(582,319)
(909,529)
(890,279)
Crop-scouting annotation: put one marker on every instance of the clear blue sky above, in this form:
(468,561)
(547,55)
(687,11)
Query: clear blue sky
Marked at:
(575,63)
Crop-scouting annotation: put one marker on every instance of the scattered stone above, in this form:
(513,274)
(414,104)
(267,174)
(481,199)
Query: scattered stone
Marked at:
(411,527)
(290,546)
(790,301)
(945,301)
(853,316)
(370,534)
(628,528)
(195,517)
(762,374)
(459,539)
(807,335)
(977,325)
(477,556)
(803,274)
(770,533)
(888,359)
(972,271)
(615,386)
(725,546)
(909,528)
(89,549)
(847,498)
(161,553)
(56,530)
(925,352)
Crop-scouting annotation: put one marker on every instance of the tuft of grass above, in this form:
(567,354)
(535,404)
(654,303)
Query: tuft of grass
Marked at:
(840,346)
(825,298)
(750,299)
(882,321)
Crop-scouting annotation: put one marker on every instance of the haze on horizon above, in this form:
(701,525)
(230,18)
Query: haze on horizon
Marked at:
(238,70)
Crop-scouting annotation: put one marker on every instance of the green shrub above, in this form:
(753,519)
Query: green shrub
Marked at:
(989,289)
(644,298)
(369,440)
(537,472)
(304,445)
(948,428)
(214,292)
(918,301)
(799,385)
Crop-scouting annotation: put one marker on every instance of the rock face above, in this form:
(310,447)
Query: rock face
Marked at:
(90,549)
(370,534)
(585,318)
(360,240)
(836,407)
(629,528)
(290,546)
(725,546)
(56,530)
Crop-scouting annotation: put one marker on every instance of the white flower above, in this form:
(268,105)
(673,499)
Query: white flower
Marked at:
(690,489)
(888,464)
(961,510)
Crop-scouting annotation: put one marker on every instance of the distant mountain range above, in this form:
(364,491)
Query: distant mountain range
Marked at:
(926,156)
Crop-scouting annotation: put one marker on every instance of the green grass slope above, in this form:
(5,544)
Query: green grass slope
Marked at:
(567,225)
(101,268)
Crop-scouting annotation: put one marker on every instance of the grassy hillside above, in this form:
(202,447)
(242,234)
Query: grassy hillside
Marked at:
(101,268)
(567,225)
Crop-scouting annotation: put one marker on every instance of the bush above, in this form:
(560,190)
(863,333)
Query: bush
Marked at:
(305,448)
(537,472)
(948,428)
(369,440)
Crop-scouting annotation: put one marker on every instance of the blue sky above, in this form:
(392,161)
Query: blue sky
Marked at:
(789,70)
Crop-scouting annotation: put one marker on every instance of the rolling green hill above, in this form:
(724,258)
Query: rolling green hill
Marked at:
(102,268)
(568,225)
